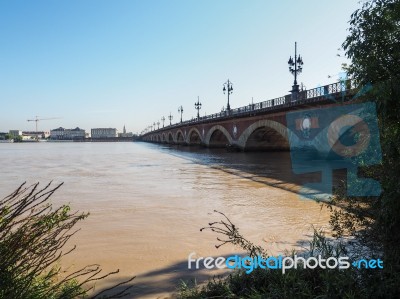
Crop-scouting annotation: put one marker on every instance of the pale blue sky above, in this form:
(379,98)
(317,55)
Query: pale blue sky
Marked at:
(109,63)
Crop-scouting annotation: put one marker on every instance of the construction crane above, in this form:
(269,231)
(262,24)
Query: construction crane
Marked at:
(37,119)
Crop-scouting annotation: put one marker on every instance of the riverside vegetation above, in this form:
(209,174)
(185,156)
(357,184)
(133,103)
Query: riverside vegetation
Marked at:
(32,236)
(369,226)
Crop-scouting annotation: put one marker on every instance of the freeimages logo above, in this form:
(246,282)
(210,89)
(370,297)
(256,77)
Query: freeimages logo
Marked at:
(325,139)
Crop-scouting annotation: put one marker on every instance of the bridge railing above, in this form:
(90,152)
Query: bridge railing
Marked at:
(320,93)
(338,87)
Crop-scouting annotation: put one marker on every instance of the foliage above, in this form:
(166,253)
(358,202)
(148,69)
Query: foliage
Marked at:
(228,229)
(17,138)
(373,45)
(32,236)
(267,283)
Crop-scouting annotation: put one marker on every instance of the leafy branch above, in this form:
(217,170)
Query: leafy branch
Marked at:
(32,236)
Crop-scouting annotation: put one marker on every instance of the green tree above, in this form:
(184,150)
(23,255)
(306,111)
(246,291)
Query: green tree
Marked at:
(373,45)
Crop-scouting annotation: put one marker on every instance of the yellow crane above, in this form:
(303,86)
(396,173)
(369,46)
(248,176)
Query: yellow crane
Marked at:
(37,119)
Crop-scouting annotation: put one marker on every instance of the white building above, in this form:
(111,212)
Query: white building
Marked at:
(104,133)
(67,134)
(57,133)
(35,135)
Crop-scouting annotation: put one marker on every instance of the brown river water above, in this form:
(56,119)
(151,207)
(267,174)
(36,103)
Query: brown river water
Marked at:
(148,202)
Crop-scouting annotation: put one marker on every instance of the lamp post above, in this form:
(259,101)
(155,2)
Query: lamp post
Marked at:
(180,110)
(154,126)
(170,117)
(228,88)
(163,119)
(295,67)
(198,107)
(158,125)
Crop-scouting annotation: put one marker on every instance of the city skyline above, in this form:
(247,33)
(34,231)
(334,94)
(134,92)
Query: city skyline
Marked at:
(103,64)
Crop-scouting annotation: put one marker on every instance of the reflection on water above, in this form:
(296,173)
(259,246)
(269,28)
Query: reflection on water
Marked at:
(148,202)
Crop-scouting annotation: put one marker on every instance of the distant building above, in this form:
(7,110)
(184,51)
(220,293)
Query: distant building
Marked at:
(125,134)
(15,133)
(33,134)
(104,133)
(57,133)
(2,135)
(67,134)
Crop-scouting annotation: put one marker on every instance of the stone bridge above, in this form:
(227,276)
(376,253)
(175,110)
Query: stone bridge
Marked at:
(260,126)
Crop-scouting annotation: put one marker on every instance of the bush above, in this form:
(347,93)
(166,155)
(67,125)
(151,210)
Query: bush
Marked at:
(295,283)
(32,236)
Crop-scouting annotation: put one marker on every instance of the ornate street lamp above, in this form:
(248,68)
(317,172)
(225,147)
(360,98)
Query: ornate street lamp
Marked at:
(198,107)
(180,110)
(228,88)
(154,126)
(163,119)
(170,118)
(158,125)
(295,67)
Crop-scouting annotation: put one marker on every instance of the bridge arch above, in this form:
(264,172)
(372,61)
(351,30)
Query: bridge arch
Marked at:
(348,136)
(265,135)
(179,137)
(170,139)
(163,138)
(217,136)
(194,137)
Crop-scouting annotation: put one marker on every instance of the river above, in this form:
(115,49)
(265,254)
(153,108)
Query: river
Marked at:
(148,202)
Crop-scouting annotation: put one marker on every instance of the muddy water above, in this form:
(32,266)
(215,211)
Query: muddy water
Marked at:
(147,203)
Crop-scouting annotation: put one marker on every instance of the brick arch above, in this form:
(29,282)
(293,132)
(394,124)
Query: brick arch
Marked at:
(163,138)
(281,129)
(212,130)
(177,134)
(334,133)
(190,133)
(170,138)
